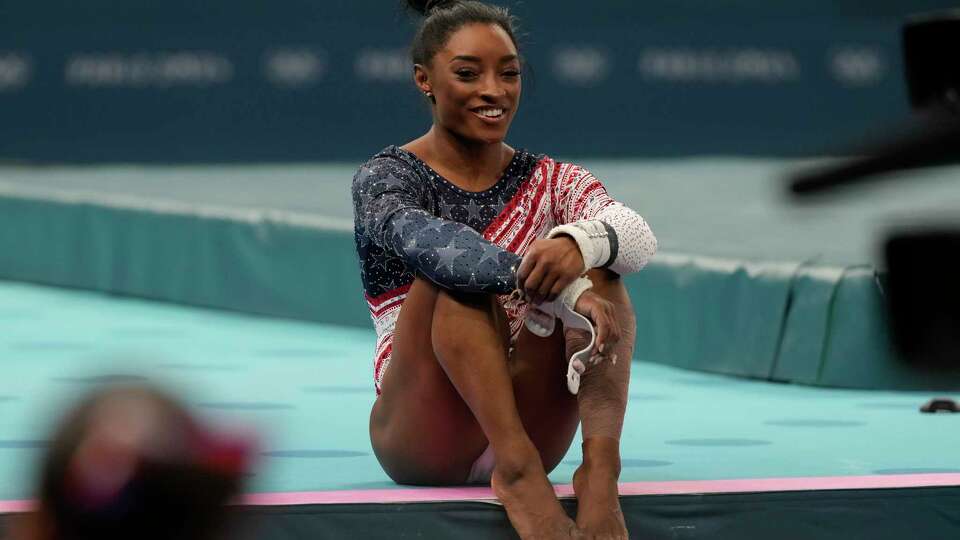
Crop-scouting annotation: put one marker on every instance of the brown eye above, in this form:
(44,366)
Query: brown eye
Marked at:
(465,73)
(511,73)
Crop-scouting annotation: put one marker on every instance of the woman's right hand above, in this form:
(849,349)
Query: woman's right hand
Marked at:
(549,266)
(603,315)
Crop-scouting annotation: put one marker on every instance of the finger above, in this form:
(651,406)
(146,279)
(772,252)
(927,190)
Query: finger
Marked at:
(560,284)
(546,286)
(526,265)
(602,331)
(555,291)
(611,325)
(531,284)
(615,331)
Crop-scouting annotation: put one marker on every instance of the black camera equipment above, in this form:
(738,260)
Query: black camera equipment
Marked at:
(932,136)
(922,278)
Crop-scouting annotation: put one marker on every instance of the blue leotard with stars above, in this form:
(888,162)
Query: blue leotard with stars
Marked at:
(409,220)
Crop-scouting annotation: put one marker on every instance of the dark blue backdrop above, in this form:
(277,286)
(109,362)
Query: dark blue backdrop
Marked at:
(252,80)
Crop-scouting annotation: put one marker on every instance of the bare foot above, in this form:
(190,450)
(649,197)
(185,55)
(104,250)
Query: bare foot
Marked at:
(532,506)
(598,503)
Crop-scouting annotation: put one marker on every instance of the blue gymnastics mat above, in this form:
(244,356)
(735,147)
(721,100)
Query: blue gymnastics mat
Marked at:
(307,389)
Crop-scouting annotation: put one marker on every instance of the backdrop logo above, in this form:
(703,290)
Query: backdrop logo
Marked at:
(582,66)
(139,70)
(15,70)
(857,66)
(719,66)
(385,65)
(295,68)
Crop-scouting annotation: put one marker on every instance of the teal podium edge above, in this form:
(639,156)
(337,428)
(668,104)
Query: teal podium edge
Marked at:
(792,322)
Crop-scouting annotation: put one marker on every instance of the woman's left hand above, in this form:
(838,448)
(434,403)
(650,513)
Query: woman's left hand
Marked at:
(603,314)
(548,267)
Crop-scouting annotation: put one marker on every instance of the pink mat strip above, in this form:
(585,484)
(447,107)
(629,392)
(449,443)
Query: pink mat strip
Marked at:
(15,507)
(682,487)
(409,495)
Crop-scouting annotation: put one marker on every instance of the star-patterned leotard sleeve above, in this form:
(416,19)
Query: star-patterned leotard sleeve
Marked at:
(393,213)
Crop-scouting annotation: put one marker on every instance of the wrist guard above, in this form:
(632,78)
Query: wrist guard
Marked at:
(595,239)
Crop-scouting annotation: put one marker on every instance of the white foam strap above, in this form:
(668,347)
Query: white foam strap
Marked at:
(591,237)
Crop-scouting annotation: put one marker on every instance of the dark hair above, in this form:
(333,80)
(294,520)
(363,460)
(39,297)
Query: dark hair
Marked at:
(444,17)
(181,476)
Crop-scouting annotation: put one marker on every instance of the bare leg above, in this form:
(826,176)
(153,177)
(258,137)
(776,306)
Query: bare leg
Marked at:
(448,392)
(421,430)
(549,411)
(473,353)
(602,403)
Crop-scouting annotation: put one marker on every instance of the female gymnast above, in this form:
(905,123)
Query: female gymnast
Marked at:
(490,251)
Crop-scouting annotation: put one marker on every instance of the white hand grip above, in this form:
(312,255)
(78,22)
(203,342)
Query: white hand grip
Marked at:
(540,323)
(579,359)
(542,320)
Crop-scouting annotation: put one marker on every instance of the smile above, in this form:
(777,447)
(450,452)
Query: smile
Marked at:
(490,114)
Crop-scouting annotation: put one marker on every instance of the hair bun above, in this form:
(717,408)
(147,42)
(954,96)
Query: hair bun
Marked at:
(424,7)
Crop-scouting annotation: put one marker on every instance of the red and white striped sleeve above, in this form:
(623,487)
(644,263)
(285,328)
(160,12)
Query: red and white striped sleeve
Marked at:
(610,234)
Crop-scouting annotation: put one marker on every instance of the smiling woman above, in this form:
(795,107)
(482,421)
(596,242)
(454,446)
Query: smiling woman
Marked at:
(458,62)
(485,248)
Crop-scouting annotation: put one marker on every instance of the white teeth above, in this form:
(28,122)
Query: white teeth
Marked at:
(490,113)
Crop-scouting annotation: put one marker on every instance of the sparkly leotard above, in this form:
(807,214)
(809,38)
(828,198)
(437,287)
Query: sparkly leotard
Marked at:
(409,220)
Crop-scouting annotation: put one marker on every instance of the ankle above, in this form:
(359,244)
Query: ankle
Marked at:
(517,460)
(601,455)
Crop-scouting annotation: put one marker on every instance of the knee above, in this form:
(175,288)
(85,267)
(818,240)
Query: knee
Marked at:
(459,319)
(448,343)
(610,286)
(452,320)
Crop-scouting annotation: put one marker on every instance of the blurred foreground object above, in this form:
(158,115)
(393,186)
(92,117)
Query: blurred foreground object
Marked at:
(922,286)
(923,295)
(933,76)
(130,462)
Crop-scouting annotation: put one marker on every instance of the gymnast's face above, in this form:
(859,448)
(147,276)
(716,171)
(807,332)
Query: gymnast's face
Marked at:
(475,79)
